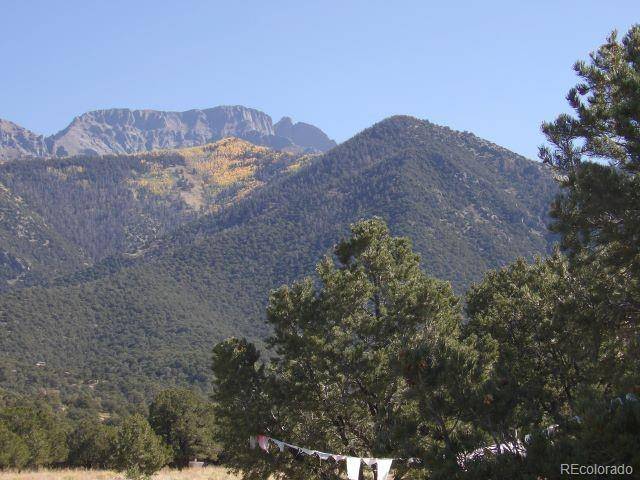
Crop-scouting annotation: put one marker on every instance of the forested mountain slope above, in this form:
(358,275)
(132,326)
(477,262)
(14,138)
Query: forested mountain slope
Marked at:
(29,248)
(109,205)
(467,204)
(131,323)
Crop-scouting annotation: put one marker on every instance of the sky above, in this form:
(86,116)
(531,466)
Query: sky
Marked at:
(497,69)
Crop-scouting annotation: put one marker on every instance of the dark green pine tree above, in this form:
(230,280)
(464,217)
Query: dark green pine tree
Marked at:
(14,452)
(335,383)
(138,451)
(597,213)
(42,431)
(563,333)
(185,421)
(91,444)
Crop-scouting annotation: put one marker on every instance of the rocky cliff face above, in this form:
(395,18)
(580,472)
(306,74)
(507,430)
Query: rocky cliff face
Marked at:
(16,142)
(117,131)
(304,135)
(128,131)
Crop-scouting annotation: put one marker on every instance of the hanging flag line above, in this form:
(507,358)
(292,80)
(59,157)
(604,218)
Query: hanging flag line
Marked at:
(384,464)
(353,463)
(519,448)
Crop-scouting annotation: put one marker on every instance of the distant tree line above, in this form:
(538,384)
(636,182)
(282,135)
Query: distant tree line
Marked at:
(178,429)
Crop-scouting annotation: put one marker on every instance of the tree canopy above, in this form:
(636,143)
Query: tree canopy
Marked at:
(138,451)
(185,422)
(597,213)
(336,381)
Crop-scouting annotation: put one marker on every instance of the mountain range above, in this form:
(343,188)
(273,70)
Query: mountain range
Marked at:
(121,130)
(217,227)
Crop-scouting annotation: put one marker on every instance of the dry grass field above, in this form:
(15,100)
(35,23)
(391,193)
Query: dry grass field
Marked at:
(208,473)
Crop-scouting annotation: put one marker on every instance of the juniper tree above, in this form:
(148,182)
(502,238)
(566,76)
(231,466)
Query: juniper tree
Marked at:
(42,430)
(548,367)
(14,452)
(185,421)
(138,451)
(91,444)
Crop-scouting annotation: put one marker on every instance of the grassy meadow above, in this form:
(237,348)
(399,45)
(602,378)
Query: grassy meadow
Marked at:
(207,473)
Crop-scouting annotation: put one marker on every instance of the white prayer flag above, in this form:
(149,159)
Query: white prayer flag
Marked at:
(353,463)
(384,465)
(353,468)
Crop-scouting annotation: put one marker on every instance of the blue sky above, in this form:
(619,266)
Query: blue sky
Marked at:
(496,69)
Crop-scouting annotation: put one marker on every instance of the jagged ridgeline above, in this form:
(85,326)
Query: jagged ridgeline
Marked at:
(132,323)
(121,130)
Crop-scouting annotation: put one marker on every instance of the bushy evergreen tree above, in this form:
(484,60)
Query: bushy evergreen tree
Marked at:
(138,450)
(185,421)
(565,330)
(91,444)
(527,320)
(41,429)
(14,452)
(598,211)
(334,384)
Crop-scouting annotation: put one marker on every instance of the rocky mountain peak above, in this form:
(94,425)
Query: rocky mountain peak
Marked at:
(16,142)
(303,134)
(122,130)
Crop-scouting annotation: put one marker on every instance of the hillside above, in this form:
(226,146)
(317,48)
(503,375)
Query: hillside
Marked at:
(29,248)
(121,130)
(467,204)
(110,205)
(133,323)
